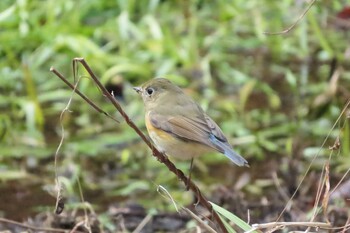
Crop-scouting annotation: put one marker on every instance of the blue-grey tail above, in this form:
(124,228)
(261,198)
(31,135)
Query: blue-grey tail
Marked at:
(226,149)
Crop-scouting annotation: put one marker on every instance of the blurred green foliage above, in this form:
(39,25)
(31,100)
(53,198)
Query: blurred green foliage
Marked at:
(263,90)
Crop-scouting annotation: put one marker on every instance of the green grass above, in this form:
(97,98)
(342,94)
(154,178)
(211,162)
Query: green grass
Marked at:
(261,89)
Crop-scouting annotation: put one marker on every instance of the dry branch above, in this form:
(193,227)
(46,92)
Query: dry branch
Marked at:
(295,23)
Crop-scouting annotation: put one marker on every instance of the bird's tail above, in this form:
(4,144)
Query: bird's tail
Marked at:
(226,149)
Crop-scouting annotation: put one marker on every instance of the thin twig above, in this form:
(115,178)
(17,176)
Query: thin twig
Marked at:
(22,225)
(340,181)
(295,23)
(314,158)
(59,188)
(86,218)
(78,225)
(324,179)
(167,196)
(84,97)
(285,224)
(199,220)
(347,225)
(143,223)
(160,156)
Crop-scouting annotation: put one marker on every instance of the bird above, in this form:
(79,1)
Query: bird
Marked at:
(178,126)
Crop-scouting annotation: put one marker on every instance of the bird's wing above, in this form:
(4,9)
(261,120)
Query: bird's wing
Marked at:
(198,129)
(215,129)
(201,129)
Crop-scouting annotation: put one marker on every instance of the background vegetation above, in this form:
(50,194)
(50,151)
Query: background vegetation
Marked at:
(276,97)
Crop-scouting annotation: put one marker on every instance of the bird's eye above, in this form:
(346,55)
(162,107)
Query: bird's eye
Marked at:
(150,91)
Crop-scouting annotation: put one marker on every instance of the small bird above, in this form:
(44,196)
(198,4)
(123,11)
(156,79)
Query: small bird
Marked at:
(178,126)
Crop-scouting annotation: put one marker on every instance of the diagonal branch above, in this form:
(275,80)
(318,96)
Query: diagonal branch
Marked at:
(84,97)
(295,23)
(160,156)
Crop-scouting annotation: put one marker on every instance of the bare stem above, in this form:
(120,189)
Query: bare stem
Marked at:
(295,23)
(84,97)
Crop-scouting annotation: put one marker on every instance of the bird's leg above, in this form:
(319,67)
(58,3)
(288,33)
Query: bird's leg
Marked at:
(189,176)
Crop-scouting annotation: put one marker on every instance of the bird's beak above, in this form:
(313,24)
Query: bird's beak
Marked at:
(137,89)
